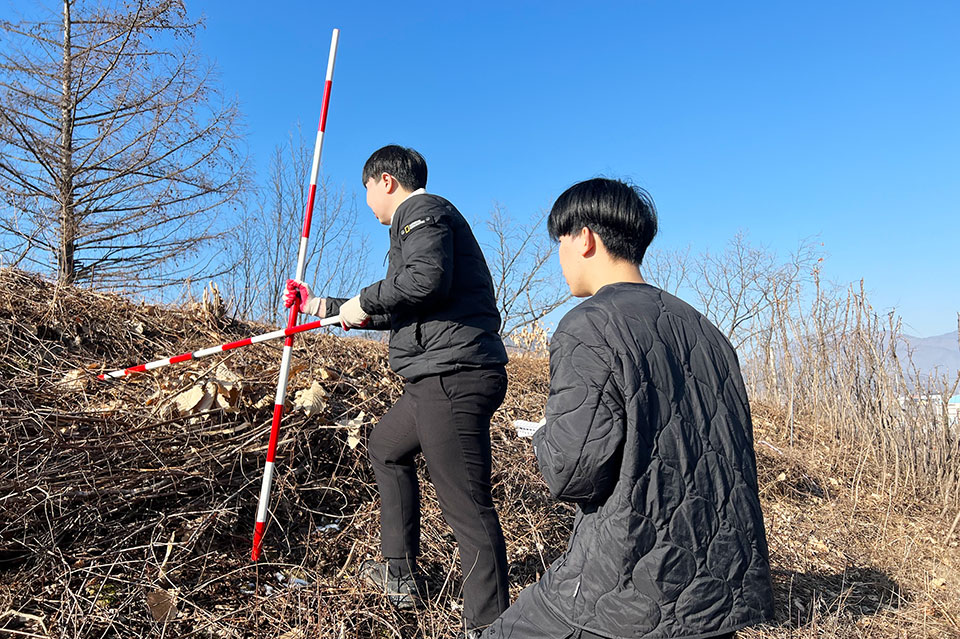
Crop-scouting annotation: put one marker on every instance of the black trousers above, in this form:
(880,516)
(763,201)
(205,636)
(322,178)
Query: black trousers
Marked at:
(447,418)
(530,618)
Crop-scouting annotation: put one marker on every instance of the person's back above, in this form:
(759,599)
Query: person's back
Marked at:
(669,539)
(456,325)
(647,429)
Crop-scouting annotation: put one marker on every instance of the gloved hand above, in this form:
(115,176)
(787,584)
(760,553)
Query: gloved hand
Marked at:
(308,304)
(351,315)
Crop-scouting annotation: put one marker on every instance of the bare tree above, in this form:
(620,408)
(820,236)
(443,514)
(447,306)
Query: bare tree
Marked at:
(117,151)
(669,270)
(737,288)
(266,245)
(525,278)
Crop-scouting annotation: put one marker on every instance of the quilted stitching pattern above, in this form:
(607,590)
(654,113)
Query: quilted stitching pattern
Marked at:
(648,430)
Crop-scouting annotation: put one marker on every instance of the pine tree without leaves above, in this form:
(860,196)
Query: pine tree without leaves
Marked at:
(116,150)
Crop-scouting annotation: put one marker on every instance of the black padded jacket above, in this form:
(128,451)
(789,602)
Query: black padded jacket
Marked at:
(437,298)
(648,431)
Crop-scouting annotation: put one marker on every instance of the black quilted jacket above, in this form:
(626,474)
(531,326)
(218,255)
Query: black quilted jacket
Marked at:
(648,430)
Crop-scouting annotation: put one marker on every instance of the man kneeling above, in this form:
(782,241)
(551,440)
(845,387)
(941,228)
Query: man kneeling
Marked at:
(648,431)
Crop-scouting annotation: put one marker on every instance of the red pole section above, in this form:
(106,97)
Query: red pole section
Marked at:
(213,350)
(294,311)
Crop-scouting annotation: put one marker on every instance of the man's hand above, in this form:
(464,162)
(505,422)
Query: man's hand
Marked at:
(351,315)
(308,304)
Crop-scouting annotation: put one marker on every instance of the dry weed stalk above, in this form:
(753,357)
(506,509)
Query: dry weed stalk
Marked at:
(532,339)
(822,353)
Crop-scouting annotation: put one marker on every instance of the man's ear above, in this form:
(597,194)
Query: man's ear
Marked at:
(390,182)
(588,242)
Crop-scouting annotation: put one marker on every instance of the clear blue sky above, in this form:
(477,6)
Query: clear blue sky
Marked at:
(785,120)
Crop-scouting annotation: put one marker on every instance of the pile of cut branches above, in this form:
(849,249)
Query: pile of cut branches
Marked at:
(128,505)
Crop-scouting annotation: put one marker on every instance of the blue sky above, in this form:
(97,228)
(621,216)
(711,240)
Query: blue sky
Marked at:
(784,120)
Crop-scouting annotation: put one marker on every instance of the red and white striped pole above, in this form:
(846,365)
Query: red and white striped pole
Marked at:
(294,311)
(213,350)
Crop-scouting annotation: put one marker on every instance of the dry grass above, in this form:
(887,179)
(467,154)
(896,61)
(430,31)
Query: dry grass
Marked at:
(114,505)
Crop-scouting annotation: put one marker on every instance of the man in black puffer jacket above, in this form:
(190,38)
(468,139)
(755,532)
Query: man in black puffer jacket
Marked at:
(437,300)
(648,431)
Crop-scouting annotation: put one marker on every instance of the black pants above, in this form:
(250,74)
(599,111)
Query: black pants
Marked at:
(447,418)
(530,618)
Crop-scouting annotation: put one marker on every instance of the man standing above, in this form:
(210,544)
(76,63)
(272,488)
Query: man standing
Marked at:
(437,300)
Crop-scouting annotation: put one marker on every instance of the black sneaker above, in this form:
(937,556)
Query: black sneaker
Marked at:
(402,592)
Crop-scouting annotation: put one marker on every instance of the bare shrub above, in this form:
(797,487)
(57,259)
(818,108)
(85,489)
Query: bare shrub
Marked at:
(821,351)
(266,246)
(526,281)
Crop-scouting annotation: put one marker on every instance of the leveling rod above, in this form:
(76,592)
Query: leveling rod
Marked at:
(213,350)
(264,502)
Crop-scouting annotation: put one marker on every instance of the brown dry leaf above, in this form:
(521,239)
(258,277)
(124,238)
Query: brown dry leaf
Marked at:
(818,545)
(111,406)
(196,399)
(296,369)
(311,400)
(209,398)
(188,401)
(353,429)
(228,397)
(327,374)
(162,605)
(266,400)
(227,387)
(153,399)
(76,380)
(224,402)
(352,440)
(225,375)
(939,582)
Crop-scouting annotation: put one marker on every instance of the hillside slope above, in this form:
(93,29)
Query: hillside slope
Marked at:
(128,506)
(939,354)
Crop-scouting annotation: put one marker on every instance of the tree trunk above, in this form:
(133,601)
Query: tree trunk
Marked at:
(66,268)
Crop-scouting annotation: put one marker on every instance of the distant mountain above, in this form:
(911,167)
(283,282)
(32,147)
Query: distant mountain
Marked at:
(940,353)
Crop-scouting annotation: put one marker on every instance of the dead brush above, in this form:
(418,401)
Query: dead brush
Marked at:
(127,512)
(532,339)
(125,515)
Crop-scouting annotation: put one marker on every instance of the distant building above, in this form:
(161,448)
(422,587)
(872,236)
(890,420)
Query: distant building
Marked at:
(953,410)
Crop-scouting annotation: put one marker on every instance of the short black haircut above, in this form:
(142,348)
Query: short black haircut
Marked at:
(622,214)
(406,165)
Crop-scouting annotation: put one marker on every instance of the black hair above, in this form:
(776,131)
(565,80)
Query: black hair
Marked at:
(406,165)
(622,214)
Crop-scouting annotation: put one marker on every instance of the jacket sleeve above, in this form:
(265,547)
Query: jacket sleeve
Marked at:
(579,447)
(376,323)
(426,245)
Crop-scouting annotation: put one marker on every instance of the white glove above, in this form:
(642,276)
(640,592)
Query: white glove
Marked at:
(351,315)
(308,304)
(527,429)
